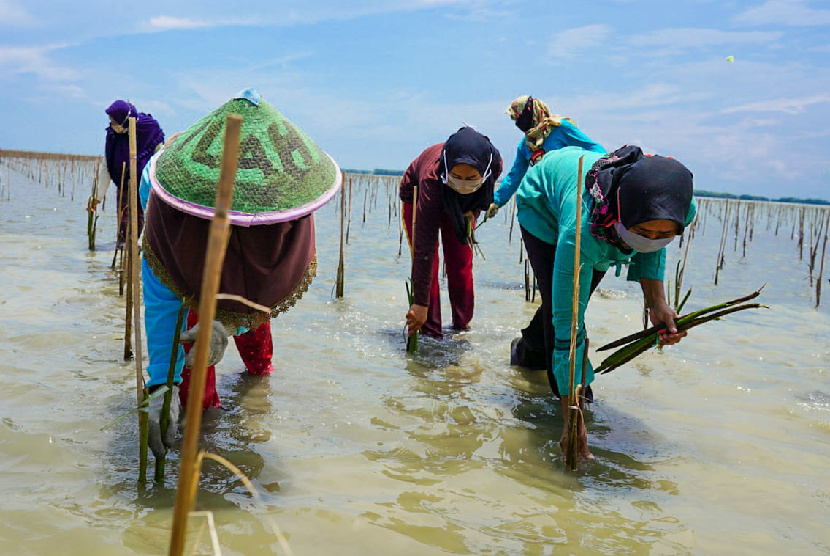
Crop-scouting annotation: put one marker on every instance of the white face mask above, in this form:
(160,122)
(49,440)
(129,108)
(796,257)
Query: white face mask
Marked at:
(465,187)
(640,243)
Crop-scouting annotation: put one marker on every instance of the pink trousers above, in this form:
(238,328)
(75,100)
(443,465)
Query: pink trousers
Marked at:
(256,348)
(458,259)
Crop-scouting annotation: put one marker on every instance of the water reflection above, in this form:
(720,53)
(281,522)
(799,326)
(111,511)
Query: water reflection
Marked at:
(234,433)
(448,450)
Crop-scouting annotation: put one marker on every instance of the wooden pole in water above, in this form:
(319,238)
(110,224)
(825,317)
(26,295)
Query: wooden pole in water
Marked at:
(126,276)
(164,421)
(412,341)
(349,222)
(136,303)
(512,219)
(720,259)
(217,246)
(121,272)
(340,279)
(821,264)
(571,453)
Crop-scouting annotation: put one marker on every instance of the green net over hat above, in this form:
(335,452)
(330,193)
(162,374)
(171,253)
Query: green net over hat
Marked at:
(281,174)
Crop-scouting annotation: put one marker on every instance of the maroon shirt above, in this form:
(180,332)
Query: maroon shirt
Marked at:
(424,172)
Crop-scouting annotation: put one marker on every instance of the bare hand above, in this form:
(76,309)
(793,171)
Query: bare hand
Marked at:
(415,318)
(662,313)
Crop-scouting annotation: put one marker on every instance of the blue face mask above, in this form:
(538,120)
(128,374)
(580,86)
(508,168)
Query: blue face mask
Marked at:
(640,243)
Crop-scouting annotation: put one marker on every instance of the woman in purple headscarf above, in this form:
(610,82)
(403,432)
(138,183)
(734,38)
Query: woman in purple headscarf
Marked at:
(149,138)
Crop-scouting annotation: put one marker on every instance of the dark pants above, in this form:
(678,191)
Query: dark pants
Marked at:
(534,350)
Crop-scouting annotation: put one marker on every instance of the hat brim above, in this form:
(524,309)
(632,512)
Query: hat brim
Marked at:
(246,219)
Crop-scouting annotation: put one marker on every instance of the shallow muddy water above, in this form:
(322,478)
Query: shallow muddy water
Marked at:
(718,445)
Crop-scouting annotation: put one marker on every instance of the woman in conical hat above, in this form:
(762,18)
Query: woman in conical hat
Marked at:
(282,178)
(543,132)
(149,137)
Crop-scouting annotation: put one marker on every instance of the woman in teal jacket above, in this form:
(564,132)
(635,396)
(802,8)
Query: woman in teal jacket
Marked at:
(633,206)
(543,132)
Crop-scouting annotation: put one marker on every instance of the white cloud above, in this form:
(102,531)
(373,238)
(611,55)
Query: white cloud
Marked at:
(320,11)
(575,41)
(34,60)
(12,14)
(784,12)
(170,23)
(689,38)
(787,105)
(648,96)
(164,23)
(72,91)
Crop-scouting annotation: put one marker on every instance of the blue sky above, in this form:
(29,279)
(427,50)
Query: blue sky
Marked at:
(376,81)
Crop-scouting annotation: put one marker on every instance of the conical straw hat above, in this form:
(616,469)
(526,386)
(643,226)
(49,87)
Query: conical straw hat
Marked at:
(282,174)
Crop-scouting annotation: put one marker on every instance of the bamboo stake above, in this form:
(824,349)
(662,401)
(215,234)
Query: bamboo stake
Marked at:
(92,213)
(412,341)
(737,225)
(573,433)
(720,260)
(512,219)
(821,264)
(573,407)
(533,281)
(340,279)
(349,222)
(126,277)
(365,193)
(217,245)
(801,236)
(164,421)
(813,250)
(143,422)
(119,211)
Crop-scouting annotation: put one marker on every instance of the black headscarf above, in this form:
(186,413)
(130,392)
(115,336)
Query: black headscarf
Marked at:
(648,187)
(468,146)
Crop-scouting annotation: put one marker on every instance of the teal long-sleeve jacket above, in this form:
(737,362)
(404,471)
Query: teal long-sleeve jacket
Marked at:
(546,207)
(565,135)
(161,310)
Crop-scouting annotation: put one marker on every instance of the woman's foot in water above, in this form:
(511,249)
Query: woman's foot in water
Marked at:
(582,442)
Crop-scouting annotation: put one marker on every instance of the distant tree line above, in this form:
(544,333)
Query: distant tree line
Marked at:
(375,172)
(745,197)
(698,192)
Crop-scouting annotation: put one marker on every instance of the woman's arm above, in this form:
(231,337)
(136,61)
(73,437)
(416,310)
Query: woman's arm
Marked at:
(511,181)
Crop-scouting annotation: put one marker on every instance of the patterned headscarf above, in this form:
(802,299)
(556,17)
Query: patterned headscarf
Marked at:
(631,187)
(543,121)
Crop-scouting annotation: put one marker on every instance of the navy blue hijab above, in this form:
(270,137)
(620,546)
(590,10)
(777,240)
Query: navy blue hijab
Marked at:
(468,146)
